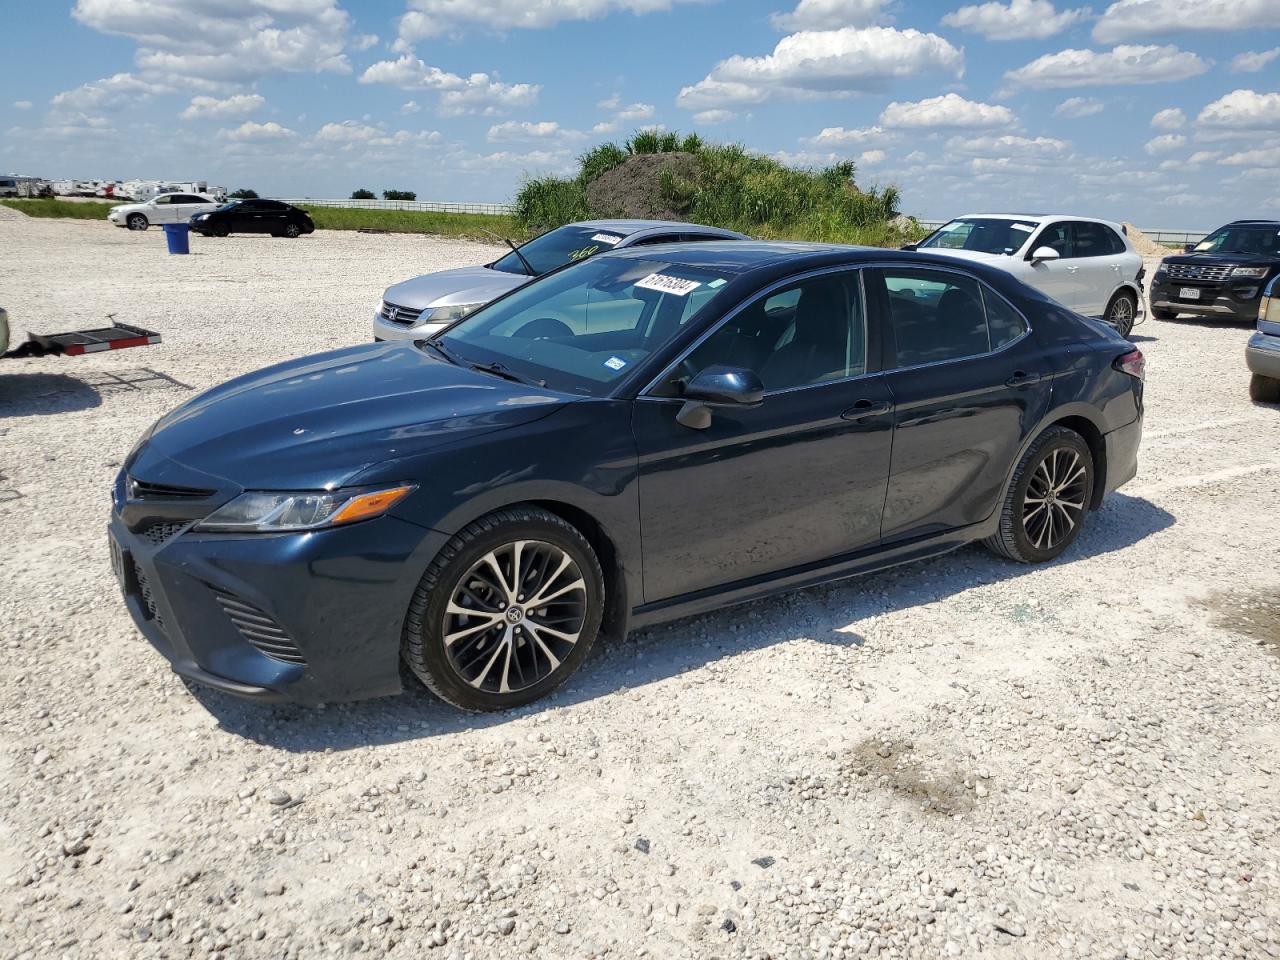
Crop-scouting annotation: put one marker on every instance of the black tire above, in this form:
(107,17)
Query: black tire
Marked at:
(136,221)
(1122,311)
(423,643)
(1264,389)
(292,231)
(1018,541)
(220,232)
(1160,314)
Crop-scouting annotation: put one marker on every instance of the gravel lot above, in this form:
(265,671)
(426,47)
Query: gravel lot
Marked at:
(954,758)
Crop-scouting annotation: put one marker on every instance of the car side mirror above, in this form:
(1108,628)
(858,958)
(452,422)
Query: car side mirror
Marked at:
(1188,248)
(1041,254)
(718,386)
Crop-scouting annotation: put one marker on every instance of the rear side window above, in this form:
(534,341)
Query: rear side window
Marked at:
(1092,240)
(939,316)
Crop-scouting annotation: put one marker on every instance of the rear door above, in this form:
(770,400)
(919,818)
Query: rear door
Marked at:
(1099,266)
(969,381)
(186,206)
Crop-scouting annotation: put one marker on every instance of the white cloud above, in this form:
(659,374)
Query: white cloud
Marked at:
(110,93)
(1009,148)
(22,104)
(1130,19)
(612,103)
(365,41)
(431,18)
(409,107)
(1262,157)
(1253,61)
(517,130)
(1166,143)
(478,93)
(239,105)
(353,135)
(1171,118)
(1076,107)
(637,111)
(251,131)
(1242,110)
(1193,162)
(231,40)
(1015,20)
(1122,65)
(841,136)
(870,158)
(711,117)
(348,131)
(831,15)
(605,126)
(948,110)
(831,63)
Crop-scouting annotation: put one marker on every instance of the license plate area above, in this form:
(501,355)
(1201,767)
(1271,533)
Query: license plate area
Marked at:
(1189,293)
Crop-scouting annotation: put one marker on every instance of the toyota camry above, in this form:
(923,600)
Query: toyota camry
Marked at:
(647,434)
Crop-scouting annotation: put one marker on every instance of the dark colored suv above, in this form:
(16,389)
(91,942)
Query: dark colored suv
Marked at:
(254,216)
(1222,275)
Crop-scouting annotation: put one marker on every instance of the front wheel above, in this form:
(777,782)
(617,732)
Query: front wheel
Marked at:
(137,221)
(506,612)
(292,231)
(1264,389)
(1048,499)
(1122,311)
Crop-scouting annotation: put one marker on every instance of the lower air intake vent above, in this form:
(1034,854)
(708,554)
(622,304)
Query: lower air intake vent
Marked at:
(259,629)
(158,531)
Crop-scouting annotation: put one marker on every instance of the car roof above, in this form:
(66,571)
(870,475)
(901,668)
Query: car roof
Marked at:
(1254,223)
(1038,217)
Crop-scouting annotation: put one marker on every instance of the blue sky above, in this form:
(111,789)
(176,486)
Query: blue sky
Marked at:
(1162,112)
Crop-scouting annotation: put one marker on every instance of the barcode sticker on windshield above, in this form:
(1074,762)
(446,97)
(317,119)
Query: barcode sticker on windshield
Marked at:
(677,286)
(1022,226)
(608,238)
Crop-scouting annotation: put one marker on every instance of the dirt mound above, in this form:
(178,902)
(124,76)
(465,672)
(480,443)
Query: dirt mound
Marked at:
(1144,245)
(634,187)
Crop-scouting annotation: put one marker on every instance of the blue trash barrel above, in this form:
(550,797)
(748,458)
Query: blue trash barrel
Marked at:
(179,237)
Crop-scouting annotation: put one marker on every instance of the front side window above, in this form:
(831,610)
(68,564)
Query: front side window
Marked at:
(587,327)
(1241,240)
(163,201)
(811,332)
(981,234)
(1056,236)
(936,316)
(558,247)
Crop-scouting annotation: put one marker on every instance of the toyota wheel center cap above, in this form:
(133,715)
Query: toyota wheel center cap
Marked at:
(514,615)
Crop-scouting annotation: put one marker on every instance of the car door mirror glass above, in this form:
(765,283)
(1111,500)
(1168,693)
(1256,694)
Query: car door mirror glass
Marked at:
(725,386)
(1041,254)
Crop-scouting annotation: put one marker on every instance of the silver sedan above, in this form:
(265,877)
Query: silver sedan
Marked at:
(421,307)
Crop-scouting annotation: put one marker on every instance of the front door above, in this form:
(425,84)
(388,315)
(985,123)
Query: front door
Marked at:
(969,382)
(1061,278)
(797,480)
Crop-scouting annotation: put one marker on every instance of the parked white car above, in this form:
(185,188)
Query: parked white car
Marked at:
(166,208)
(1086,264)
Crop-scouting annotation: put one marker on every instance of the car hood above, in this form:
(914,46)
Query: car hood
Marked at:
(977,256)
(316,422)
(453,287)
(1231,259)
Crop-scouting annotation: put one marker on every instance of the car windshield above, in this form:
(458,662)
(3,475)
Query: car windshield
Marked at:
(1264,240)
(558,247)
(586,327)
(983,234)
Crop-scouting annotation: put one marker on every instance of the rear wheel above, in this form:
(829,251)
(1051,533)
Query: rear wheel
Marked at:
(1121,312)
(136,221)
(220,231)
(1264,389)
(1048,499)
(506,612)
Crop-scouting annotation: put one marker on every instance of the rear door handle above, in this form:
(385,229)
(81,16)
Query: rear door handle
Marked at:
(1022,379)
(867,408)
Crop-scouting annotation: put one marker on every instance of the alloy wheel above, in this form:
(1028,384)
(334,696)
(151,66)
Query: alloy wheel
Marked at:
(1055,498)
(515,616)
(1122,314)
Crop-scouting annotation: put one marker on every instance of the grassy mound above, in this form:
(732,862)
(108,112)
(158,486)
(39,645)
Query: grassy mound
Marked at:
(668,177)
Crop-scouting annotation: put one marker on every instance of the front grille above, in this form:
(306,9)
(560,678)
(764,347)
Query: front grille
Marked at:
(142,490)
(148,597)
(158,531)
(1198,271)
(404,316)
(259,629)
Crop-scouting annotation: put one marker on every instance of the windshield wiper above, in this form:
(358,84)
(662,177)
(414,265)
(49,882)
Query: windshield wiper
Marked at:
(514,249)
(506,373)
(444,351)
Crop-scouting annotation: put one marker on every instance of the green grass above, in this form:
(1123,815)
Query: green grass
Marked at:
(60,209)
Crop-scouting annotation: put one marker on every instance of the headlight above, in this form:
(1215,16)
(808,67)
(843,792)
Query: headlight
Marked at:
(1258,272)
(456,312)
(277,512)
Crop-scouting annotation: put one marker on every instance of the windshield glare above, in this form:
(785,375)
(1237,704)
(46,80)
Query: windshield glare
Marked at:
(1241,240)
(586,327)
(560,246)
(982,234)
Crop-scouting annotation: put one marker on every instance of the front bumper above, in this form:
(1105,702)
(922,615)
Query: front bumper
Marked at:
(1234,299)
(384,329)
(303,617)
(1263,355)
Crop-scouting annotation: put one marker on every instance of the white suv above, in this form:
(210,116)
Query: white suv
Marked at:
(1085,264)
(166,208)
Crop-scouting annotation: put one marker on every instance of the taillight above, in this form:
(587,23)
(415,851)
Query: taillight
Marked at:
(1133,363)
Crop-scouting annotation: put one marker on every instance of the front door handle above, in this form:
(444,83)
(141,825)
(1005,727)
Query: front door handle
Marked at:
(1022,379)
(867,408)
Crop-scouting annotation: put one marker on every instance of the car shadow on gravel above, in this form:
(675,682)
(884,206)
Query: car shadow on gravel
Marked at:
(824,614)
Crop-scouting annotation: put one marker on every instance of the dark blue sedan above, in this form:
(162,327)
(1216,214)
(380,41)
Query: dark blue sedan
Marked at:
(648,434)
